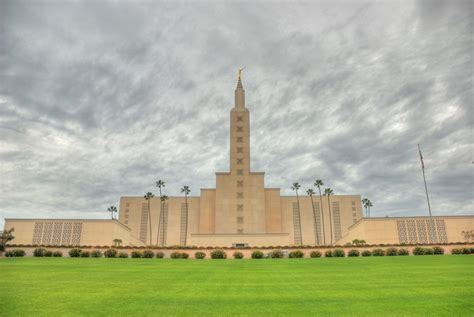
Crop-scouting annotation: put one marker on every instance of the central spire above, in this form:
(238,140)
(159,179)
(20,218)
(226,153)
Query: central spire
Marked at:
(240,92)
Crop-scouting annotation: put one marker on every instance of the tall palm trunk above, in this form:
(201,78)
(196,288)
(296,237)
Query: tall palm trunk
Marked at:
(314,217)
(299,216)
(186,225)
(330,216)
(322,216)
(149,220)
(159,220)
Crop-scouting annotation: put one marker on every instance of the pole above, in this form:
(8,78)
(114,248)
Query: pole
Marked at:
(426,190)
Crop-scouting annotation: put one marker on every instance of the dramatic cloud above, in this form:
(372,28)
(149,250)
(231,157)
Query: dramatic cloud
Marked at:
(100,99)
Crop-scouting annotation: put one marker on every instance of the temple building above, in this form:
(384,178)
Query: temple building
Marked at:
(240,211)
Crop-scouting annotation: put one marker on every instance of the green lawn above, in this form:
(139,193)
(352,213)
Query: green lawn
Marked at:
(375,286)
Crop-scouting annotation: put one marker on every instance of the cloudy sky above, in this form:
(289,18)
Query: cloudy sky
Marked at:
(101,99)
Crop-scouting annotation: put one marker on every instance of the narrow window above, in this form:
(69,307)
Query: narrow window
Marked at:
(239,119)
(240,183)
(240,230)
(239,139)
(240,219)
(240,207)
(240,172)
(239,129)
(240,150)
(240,161)
(240,195)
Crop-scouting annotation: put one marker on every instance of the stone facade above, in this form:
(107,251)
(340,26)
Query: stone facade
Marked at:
(240,211)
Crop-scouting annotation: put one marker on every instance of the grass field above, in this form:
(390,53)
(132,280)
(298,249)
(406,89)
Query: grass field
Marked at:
(381,286)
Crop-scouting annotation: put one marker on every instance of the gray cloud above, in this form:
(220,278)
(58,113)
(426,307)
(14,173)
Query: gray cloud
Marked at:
(100,99)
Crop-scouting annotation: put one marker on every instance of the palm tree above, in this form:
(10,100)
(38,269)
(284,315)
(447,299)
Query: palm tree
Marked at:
(318,183)
(369,204)
(112,210)
(148,196)
(163,198)
(310,193)
(328,192)
(186,191)
(364,203)
(160,184)
(295,187)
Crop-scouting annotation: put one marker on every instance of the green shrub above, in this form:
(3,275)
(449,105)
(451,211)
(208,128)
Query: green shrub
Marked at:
(184,255)
(338,253)
(123,255)
(75,253)
(257,254)
(315,254)
(418,251)
(276,254)
(328,254)
(438,250)
(148,254)
(353,252)
(456,251)
(366,253)
(136,254)
(238,255)
(403,252)
(296,254)
(466,250)
(391,252)
(429,251)
(15,253)
(85,254)
(175,255)
(110,253)
(378,252)
(57,254)
(218,254)
(96,254)
(199,255)
(159,255)
(39,252)
(48,253)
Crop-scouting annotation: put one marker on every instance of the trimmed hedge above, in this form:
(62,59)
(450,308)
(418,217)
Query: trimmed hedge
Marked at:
(238,255)
(148,254)
(297,254)
(199,255)
(276,254)
(75,253)
(378,252)
(179,255)
(257,254)
(48,253)
(136,254)
(110,253)
(123,255)
(15,253)
(85,254)
(57,254)
(438,250)
(39,252)
(391,252)
(218,254)
(315,254)
(338,253)
(159,255)
(419,251)
(96,254)
(328,254)
(366,253)
(403,252)
(353,253)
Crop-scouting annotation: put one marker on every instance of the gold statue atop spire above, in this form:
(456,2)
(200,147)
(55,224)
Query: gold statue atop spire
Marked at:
(240,72)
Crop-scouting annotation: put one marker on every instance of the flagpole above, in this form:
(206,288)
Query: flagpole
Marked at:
(426,190)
